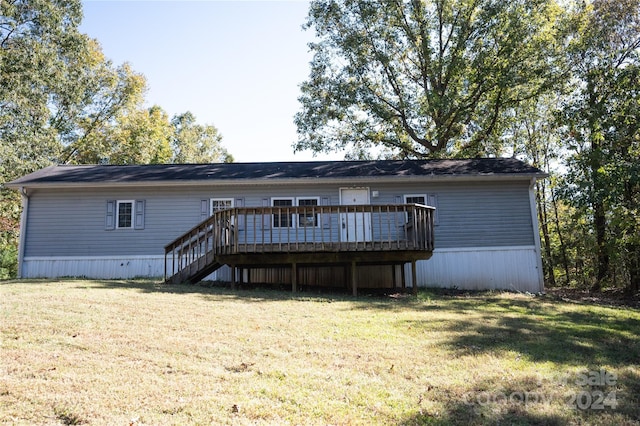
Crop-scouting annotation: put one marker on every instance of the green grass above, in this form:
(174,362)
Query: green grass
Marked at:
(121,353)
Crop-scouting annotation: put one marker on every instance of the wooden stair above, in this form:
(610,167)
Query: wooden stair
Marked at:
(194,273)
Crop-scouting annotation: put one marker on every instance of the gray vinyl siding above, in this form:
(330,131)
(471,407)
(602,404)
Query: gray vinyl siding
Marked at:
(71,222)
(489,214)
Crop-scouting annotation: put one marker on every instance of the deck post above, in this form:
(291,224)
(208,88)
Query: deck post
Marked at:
(393,276)
(354,278)
(233,277)
(403,277)
(414,280)
(294,277)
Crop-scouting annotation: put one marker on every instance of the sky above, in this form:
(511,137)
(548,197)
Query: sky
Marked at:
(236,65)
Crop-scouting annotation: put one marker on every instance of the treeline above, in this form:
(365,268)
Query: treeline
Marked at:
(63,102)
(555,83)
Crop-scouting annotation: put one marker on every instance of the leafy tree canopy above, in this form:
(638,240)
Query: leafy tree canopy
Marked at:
(422,77)
(62,101)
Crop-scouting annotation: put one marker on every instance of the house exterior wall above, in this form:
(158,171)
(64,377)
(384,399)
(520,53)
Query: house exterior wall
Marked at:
(478,224)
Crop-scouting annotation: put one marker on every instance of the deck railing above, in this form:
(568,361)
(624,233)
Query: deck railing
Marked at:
(303,229)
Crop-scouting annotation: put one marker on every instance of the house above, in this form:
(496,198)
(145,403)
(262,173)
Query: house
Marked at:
(468,223)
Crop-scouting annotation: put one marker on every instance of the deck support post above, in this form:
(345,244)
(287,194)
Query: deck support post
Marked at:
(294,277)
(233,277)
(403,277)
(393,276)
(354,278)
(414,280)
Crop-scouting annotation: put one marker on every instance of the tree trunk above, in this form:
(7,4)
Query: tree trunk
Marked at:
(631,193)
(563,248)
(597,187)
(543,218)
(602,254)
(633,266)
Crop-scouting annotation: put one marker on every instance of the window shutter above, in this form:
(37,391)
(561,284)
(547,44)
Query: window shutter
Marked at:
(326,217)
(266,218)
(239,202)
(432,200)
(139,219)
(399,199)
(110,218)
(204,210)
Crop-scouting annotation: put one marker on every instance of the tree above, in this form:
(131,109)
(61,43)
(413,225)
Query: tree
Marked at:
(104,98)
(602,125)
(141,137)
(196,143)
(62,101)
(422,77)
(38,39)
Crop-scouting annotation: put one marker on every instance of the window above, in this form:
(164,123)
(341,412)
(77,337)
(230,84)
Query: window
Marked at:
(218,204)
(424,199)
(125,214)
(308,218)
(414,199)
(281,218)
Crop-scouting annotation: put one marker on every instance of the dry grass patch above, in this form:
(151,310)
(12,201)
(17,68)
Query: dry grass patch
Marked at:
(120,353)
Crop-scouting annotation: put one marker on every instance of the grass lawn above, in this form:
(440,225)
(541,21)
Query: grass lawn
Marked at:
(135,352)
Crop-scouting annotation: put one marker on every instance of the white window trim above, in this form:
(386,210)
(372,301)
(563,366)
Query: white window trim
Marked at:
(133,213)
(212,200)
(424,196)
(317,219)
(426,203)
(293,216)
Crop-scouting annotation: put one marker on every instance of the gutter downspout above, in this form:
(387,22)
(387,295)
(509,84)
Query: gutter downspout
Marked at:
(23,229)
(536,233)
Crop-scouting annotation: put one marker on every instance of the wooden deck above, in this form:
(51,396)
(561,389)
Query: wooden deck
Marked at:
(246,237)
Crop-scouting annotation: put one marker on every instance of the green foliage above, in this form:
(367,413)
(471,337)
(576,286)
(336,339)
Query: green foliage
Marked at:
(196,143)
(62,101)
(9,233)
(602,125)
(422,78)
(38,41)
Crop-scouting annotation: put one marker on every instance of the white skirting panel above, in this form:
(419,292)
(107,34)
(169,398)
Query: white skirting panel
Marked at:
(101,267)
(481,268)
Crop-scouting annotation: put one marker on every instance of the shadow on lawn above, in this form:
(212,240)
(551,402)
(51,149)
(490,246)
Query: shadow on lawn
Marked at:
(529,403)
(542,331)
(248,293)
(469,415)
(537,329)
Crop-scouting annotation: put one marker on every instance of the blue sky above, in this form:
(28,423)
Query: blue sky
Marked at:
(234,64)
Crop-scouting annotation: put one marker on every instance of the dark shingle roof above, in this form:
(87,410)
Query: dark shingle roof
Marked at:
(101,174)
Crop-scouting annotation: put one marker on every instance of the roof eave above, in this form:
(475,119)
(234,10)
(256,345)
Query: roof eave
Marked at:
(284,181)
